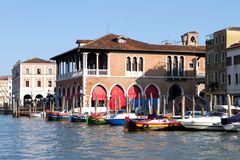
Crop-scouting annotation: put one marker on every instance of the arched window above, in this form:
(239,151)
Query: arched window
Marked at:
(175,66)
(181,66)
(140,67)
(169,66)
(128,64)
(134,64)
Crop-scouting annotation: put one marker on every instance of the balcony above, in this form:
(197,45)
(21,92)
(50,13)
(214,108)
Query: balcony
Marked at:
(100,72)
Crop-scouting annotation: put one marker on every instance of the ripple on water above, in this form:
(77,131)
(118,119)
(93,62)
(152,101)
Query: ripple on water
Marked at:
(25,138)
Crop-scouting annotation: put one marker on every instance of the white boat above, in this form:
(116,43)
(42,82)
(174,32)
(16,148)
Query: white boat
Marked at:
(212,121)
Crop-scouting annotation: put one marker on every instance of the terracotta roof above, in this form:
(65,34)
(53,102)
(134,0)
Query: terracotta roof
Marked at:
(83,41)
(233,46)
(109,42)
(5,77)
(36,60)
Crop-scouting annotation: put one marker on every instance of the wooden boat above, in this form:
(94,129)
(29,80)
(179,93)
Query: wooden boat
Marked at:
(78,118)
(57,116)
(96,119)
(119,119)
(154,123)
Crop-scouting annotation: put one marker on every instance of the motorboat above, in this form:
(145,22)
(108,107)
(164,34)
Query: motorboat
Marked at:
(152,123)
(119,119)
(57,115)
(189,114)
(212,121)
(231,123)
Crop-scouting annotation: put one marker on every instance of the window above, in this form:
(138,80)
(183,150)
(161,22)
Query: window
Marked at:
(236,78)
(27,83)
(141,64)
(38,71)
(191,65)
(223,57)
(49,83)
(229,79)
(175,66)
(216,40)
(134,64)
(208,79)
(39,83)
(128,64)
(229,61)
(215,58)
(223,38)
(169,66)
(208,58)
(236,59)
(181,66)
(27,71)
(50,71)
(216,77)
(222,78)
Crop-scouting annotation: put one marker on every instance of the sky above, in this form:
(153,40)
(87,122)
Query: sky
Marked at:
(45,28)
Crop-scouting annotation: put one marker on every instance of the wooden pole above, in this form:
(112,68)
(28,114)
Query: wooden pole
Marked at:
(164,106)
(232,98)
(115,105)
(229,106)
(139,102)
(30,110)
(173,107)
(127,105)
(133,104)
(210,103)
(80,105)
(183,107)
(63,103)
(158,106)
(149,106)
(193,108)
(119,103)
(95,106)
(215,100)
(73,106)
(151,100)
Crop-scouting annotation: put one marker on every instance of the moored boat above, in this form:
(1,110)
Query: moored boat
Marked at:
(96,119)
(231,123)
(119,119)
(78,118)
(156,123)
(57,116)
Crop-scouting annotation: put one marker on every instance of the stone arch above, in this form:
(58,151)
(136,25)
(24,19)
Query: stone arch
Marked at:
(98,95)
(116,93)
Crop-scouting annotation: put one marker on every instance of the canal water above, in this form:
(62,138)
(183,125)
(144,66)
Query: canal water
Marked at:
(37,139)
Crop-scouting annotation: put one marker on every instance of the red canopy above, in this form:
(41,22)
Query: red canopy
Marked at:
(133,92)
(116,93)
(152,89)
(99,92)
(78,91)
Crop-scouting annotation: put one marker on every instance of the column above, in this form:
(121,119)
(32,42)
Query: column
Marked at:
(85,63)
(97,62)
(63,67)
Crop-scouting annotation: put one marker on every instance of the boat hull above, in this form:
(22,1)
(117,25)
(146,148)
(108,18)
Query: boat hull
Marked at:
(78,118)
(92,120)
(58,116)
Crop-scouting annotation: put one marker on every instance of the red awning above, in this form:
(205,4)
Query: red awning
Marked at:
(99,92)
(152,89)
(73,91)
(133,92)
(78,91)
(116,94)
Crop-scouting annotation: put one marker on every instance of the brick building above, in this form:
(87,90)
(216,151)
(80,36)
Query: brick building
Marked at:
(112,67)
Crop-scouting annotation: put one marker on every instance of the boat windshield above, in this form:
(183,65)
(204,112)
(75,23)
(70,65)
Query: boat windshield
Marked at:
(216,114)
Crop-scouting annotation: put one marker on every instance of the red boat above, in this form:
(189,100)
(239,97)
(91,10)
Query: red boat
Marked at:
(152,123)
(57,116)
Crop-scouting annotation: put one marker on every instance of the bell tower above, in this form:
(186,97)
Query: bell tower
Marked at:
(190,38)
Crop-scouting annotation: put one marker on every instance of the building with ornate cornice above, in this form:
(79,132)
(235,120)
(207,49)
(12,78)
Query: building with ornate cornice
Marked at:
(113,67)
(33,79)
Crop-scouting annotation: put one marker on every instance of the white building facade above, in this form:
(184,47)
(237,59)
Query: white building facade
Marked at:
(33,79)
(233,72)
(5,91)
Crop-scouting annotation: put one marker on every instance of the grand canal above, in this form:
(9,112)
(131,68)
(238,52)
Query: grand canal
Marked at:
(25,138)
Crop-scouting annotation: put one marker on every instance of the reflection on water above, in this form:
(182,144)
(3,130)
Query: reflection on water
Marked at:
(26,138)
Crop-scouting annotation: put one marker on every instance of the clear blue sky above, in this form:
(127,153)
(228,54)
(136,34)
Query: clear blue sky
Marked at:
(45,28)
